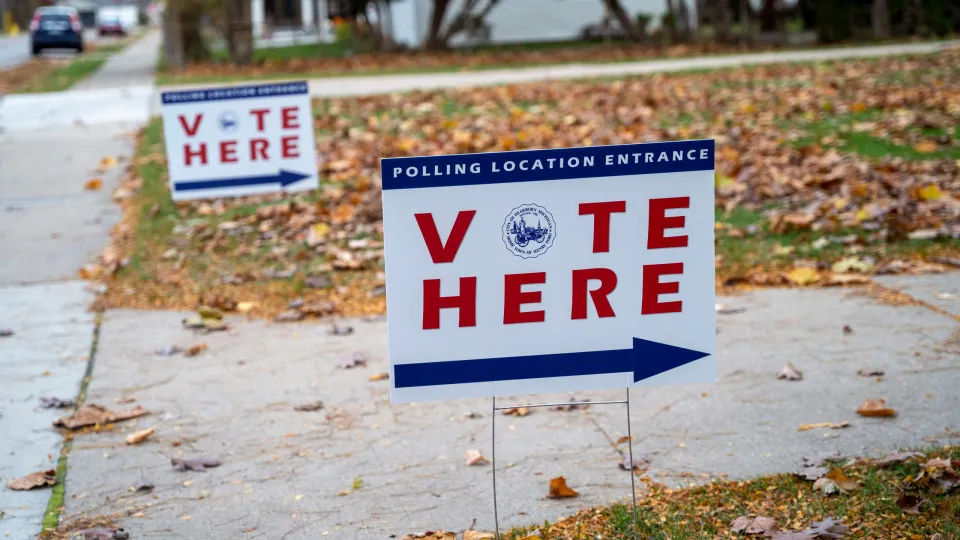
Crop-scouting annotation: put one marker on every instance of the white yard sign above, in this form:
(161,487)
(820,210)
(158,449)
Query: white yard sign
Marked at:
(549,270)
(241,140)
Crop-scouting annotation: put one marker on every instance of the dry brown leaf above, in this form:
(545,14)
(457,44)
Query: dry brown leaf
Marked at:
(140,436)
(474,457)
(195,350)
(93,184)
(33,480)
(517,411)
(875,407)
(925,147)
(789,373)
(753,525)
(382,376)
(477,535)
(559,489)
(92,414)
(870,372)
(818,425)
(844,482)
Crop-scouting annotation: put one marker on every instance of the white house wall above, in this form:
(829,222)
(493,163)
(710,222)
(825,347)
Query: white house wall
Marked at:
(541,20)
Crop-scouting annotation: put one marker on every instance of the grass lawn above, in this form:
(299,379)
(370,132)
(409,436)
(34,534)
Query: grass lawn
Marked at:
(840,186)
(879,504)
(67,75)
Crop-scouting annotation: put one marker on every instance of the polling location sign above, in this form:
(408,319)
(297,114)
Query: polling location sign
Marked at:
(239,140)
(549,270)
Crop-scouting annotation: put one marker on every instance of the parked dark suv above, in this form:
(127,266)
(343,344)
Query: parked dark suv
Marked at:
(55,27)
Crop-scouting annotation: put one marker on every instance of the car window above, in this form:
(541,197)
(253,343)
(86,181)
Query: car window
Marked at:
(54,17)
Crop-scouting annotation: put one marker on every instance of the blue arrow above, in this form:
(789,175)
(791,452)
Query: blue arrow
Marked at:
(284,178)
(645,359)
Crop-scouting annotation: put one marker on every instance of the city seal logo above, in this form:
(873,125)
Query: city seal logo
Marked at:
(529,231)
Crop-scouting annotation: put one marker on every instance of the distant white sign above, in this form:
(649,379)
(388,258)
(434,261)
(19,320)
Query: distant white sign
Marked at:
(549,270)
(241,140)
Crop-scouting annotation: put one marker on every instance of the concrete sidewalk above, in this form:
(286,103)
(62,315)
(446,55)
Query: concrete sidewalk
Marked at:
(134,66)
(290,474)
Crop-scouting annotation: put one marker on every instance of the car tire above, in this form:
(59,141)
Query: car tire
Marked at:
(80,49)
(36,50)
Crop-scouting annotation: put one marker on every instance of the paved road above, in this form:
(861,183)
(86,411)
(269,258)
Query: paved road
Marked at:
(236,402)
(50,145)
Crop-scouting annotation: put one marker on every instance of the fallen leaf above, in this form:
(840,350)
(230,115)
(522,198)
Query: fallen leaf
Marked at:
(621,440)
(214,325)
(851,264)
(723,309)
(517,411)
(930,192)
(640,464)
(844,482)
(33,480)
(895,457)
(753,525)
(909,503)
(474,457)
(382,376)
(195,350)
(55,403)
(477,535)
(827,529)
(803,276)
(821,459)
(559,489)
(340,330)
(6,332)
(790,373)
(357,360)
(93,184)
(92,414)
(826,486)
(818,425)
(925,147)
(309,407)
(357,483)
(198,464)
(138,437)
(572,405)
(169,350)
(107,162)
(813,473)
(290,315)
(875,407)
(207,312)
(870,372)
(246,307)
(142,486)
(102,533)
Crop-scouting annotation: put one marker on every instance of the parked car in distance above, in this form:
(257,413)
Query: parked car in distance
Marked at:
(56,27)
(111,26)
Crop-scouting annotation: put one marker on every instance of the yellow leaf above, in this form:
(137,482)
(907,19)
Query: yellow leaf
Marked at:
(246,307)
(93,184)
(925,147)
(722,181)
(803,276)
(321,230)
(858,107)
(929,192)
(107,162)
(862,214)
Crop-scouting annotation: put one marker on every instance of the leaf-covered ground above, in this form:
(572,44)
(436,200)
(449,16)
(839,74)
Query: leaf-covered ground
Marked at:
(826,173)
(913,497)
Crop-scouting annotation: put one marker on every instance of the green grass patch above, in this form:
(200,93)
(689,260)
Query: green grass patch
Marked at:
(68,75)
(871,510)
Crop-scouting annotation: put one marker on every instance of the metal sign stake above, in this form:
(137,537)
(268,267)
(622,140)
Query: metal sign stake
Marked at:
(493,451)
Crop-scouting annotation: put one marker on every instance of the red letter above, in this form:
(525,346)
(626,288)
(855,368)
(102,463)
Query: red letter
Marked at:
(191,130)
(650,303)
(601,221)
(258,146)
(440,252)
(288,147)
(228,151)
(608,282)
(659,223)
(466,302)
(188,154)
(259,113)
(514,297)
(289,115)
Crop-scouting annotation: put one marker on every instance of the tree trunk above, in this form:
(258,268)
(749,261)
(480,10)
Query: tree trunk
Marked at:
(671,26)
(880,19)
(173,37)
(239,31)
(725,22)
(191,30)
(745,30)
(629,26)
(437,15)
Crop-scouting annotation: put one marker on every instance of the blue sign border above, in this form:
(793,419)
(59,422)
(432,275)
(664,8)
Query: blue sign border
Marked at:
(235,92)
(505,167)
